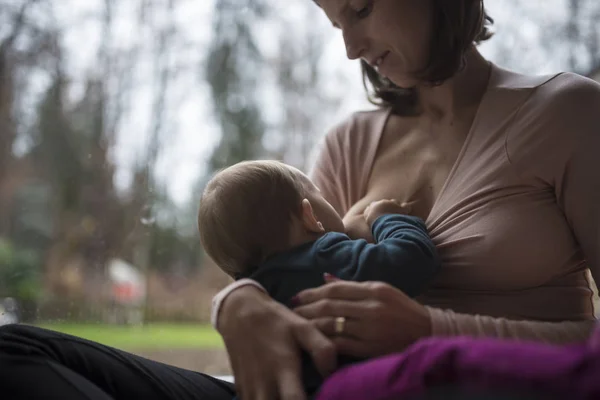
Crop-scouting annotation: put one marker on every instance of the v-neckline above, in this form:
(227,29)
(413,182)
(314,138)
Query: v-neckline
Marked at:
(465,144)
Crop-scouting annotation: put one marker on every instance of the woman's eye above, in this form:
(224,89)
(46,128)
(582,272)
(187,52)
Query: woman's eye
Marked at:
(365,11)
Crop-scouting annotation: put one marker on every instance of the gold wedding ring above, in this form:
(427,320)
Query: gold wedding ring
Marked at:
(339,325)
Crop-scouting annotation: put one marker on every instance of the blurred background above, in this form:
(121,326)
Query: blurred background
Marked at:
(114,114)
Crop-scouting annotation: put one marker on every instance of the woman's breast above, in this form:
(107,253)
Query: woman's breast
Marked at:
(507,251)
(504,239)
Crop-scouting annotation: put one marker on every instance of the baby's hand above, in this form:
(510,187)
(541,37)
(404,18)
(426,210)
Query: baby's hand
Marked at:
(382,207)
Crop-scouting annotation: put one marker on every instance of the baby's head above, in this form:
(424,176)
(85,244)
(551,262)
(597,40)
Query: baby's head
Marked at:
(255,209)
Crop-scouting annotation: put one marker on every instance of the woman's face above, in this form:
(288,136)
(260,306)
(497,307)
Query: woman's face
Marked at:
(394,36)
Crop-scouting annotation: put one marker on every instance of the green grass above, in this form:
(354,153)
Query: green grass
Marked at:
(149,337)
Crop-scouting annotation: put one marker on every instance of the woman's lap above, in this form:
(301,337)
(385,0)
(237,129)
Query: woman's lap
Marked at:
(35,360)
(117,373)
(469,368)
(23,377)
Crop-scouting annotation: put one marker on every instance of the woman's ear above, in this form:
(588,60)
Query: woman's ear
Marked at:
(309,218)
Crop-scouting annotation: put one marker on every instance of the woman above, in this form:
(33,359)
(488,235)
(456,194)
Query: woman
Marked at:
(502,167)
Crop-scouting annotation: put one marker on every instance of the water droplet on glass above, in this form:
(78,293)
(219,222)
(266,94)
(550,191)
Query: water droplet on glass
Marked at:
(148,220)
(147,217)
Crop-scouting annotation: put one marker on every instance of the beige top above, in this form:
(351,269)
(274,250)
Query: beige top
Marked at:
(517,221)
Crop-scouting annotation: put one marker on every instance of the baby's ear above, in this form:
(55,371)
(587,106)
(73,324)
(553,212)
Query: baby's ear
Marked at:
(309,218)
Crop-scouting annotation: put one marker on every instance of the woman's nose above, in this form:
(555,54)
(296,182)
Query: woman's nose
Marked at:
(354,45)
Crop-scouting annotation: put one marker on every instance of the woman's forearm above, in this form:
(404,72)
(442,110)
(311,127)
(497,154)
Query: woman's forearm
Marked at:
(449,323)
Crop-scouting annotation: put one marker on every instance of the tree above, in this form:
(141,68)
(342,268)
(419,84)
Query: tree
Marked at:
(534,40)
(233,71)
(14,62)
(304,101)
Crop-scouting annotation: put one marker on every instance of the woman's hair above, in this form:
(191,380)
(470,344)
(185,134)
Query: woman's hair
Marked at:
(458,25)
(246,211)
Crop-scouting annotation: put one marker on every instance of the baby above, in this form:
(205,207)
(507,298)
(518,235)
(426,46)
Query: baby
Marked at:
(267,221)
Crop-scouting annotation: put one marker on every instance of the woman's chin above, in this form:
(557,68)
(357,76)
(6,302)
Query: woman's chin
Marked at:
(403,81)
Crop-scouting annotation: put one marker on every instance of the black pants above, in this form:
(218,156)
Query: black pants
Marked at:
(36,363)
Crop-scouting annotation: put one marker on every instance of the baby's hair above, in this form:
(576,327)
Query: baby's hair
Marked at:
(246,212)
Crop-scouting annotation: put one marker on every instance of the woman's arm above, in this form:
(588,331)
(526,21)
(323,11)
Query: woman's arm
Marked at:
(554,140)
(578,183)
(449,323)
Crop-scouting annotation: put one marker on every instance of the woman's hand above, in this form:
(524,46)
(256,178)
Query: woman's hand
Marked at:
(264,340)
(379,319)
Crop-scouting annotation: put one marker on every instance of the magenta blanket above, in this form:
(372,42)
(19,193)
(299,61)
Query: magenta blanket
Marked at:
(477,365)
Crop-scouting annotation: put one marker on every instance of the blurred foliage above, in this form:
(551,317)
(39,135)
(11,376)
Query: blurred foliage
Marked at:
(232,71)
(20,273)
(169,248)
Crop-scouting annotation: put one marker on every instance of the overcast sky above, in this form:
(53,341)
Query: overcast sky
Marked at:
(193,135)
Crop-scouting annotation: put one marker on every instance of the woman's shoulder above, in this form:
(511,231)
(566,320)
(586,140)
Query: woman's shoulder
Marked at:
(567,87)
(568,100)
(547,103)
(561,92)
(560,115)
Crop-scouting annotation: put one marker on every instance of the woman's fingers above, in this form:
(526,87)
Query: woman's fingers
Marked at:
(352,328)
(350,342)
(343,290)
(352,347)
(332,308)
(320,348)
(330,278)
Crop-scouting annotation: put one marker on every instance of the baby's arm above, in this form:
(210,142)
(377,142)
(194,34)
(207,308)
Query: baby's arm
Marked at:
(404,255)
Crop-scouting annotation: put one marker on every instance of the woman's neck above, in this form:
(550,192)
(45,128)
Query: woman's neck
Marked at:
(459,94)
